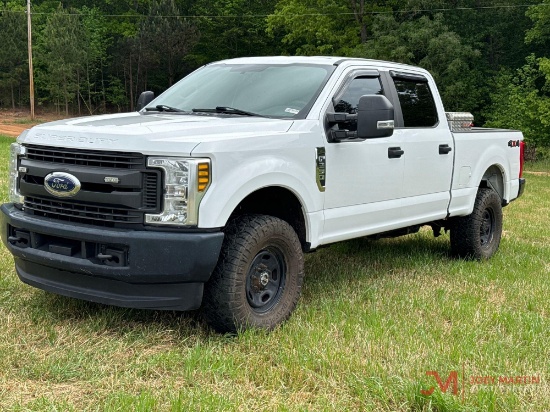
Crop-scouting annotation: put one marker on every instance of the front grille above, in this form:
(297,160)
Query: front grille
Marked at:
(116,160)
(81,213)
(120,204)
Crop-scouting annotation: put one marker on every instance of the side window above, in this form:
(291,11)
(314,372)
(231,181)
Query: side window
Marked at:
(360,86)
(417,103)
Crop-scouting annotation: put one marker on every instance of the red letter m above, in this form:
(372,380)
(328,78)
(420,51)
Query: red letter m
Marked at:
(453,377)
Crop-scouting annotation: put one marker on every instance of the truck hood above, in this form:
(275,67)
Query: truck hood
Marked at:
(153,134)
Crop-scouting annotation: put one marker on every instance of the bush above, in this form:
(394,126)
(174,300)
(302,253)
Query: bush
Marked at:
(522,101)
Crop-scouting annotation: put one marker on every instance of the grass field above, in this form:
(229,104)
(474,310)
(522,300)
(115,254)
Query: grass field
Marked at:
(375,316)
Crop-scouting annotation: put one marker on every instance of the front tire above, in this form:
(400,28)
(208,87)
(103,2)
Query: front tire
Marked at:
(477,236)
(258,279)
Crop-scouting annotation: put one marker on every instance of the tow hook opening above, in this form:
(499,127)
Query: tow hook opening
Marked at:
(20,238)
(111,256)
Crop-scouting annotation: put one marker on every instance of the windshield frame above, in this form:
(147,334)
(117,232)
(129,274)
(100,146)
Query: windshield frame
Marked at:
(302,114)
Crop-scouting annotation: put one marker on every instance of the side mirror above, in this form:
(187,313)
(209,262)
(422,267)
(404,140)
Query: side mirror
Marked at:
(144,99)
(375,117)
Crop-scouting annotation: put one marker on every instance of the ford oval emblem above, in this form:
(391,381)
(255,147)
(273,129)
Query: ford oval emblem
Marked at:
(61,184)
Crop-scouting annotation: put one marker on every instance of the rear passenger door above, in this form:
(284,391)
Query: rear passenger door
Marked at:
(428,146)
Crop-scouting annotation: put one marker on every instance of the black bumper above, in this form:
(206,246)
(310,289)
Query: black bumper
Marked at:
(521,186)
(146,269)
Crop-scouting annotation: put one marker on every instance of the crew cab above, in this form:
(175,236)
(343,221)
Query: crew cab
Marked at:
(211,193)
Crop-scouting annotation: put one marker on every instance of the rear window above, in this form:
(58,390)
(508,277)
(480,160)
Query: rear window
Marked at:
(417,103)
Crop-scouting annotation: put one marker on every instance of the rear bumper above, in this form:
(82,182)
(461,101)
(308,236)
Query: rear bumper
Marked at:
(521,187)
(148,269)
(517,186)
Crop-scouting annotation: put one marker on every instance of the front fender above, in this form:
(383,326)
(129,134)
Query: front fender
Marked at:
(231,185)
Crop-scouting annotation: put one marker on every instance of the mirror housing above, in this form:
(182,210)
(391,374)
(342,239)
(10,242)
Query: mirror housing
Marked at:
(144,99)
(375,117)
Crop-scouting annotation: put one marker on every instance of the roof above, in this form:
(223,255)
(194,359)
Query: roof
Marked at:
(321,60)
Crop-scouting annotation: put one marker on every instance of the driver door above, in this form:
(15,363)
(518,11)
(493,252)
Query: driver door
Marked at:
(364,184)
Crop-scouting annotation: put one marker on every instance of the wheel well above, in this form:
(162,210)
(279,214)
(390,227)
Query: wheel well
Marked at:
(494,179)
(277,202)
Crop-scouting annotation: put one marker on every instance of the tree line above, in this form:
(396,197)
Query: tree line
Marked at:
(489,57)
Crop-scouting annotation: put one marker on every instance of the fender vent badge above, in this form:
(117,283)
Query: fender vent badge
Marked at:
(321,167)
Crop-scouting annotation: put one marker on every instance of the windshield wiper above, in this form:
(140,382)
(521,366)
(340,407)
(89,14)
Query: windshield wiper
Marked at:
(164,108)
(228,110)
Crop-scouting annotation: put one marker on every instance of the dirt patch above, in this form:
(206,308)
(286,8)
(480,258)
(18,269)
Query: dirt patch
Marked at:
(537,173)
(9,130)
(13,122)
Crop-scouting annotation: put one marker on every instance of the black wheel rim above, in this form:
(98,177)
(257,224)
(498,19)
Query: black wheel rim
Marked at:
(265,280)
(487,228)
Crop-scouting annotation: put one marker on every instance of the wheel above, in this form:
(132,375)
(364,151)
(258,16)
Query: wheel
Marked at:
(477,236)
(258,278)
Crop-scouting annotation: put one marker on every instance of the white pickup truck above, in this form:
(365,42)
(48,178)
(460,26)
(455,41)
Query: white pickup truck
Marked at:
(211,193)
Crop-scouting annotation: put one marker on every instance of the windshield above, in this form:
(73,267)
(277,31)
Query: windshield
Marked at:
(281,91)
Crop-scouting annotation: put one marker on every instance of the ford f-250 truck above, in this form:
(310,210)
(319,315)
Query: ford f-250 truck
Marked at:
(212,192)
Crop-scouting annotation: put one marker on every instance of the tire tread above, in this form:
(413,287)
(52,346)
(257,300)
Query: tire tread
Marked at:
(465,242)
(224,305)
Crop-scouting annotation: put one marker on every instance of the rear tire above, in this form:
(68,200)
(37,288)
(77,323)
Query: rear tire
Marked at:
(477,236)
(258,279)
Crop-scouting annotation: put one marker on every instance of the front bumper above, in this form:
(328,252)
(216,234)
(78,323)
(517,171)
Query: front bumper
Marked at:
(146,269)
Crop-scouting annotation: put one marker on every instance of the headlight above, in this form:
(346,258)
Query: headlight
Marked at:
(185,183)
(16,150)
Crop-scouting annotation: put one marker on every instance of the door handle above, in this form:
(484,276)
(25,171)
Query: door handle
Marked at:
(444,149)
(395,152)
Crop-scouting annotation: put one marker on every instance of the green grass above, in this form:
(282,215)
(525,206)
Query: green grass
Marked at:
(539,166)
(25,120)
(374,317)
